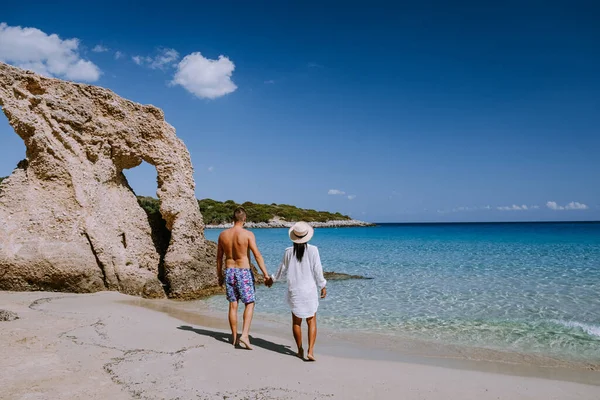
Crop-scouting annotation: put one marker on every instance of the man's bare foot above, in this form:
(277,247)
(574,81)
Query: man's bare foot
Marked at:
(245,342)
(234,341)
(300,353)
(311,357)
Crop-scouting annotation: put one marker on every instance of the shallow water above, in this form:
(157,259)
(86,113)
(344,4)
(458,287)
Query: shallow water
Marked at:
(531,288)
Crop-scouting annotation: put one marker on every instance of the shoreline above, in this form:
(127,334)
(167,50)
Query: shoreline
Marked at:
(110,345)
(349,223)
(379,346)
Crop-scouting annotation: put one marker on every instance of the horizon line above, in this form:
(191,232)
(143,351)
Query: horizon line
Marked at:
(486,222)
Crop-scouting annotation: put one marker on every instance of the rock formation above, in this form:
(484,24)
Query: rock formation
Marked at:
(69,220)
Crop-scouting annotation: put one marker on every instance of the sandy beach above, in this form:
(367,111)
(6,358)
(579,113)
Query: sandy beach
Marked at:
(109,345)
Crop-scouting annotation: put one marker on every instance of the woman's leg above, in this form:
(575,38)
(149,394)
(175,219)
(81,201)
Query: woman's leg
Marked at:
(312,335)
(297,331)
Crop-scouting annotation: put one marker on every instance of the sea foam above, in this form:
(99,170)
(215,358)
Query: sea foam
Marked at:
(592,330)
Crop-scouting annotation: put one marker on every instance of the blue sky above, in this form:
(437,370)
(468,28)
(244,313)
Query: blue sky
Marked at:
(425,112)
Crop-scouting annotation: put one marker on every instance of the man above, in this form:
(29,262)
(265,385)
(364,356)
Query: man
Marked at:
(235,244)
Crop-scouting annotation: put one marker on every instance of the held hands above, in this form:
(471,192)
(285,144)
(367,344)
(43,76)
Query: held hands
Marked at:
(268,281)
(323,292)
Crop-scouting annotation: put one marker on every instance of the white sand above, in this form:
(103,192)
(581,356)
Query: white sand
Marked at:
(98,347)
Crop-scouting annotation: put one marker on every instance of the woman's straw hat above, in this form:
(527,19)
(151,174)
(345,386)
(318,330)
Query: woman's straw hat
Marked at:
(301,232)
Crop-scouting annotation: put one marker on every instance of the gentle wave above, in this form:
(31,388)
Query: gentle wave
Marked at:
(591,330)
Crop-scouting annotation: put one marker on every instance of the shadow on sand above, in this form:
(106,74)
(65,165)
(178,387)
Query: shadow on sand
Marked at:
(254,341)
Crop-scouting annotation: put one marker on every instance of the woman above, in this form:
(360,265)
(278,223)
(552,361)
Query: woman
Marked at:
(301,267)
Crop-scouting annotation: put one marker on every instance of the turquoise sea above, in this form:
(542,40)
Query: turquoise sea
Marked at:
(525,287)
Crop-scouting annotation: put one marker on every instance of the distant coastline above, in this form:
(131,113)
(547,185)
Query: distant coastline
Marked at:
(346,223)
(219,215)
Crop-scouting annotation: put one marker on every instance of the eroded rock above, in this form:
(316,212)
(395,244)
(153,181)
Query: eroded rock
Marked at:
(69,220)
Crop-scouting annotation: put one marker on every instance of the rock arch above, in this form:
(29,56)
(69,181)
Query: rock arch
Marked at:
(69,220)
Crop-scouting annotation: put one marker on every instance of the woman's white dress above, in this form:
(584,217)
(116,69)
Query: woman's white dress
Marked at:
(305,280)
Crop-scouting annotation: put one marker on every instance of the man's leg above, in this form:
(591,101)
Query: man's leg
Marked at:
(312,336)
(233,311)
(297,332)
(248,313)
(246,289)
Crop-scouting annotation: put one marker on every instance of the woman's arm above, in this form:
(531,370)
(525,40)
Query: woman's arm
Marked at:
(317,269)
(281,273)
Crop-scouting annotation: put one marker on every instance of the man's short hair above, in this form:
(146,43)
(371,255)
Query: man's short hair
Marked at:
(239,214)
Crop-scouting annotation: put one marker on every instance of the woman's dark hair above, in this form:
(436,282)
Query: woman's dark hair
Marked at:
(299,249)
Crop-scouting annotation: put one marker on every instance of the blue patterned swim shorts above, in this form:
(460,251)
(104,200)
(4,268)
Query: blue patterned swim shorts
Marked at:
(239,284)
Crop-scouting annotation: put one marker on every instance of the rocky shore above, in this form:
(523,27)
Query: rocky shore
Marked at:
(287,224)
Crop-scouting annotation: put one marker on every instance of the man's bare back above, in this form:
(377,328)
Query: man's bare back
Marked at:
(235,243)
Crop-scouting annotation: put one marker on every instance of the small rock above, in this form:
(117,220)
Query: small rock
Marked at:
(6,315)
(339,276)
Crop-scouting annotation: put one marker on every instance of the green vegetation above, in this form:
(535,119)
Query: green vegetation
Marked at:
(3,178)
(149,204)
(217,212)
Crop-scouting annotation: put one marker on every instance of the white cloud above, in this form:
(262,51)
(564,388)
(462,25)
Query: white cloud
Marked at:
(165,58)
(269,82)
(211,168)
(467,208)
(459,209)
(335,192)
(574,205)
(205,78)
(118,55)
(351,197)
(514,207)
(49,55)
(138,59)
(100,49)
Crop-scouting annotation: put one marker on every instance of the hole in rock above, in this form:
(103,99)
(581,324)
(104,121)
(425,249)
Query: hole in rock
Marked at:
(12,149)
(143,181)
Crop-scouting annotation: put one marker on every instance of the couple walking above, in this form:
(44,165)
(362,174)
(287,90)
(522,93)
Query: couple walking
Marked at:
(301,267)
